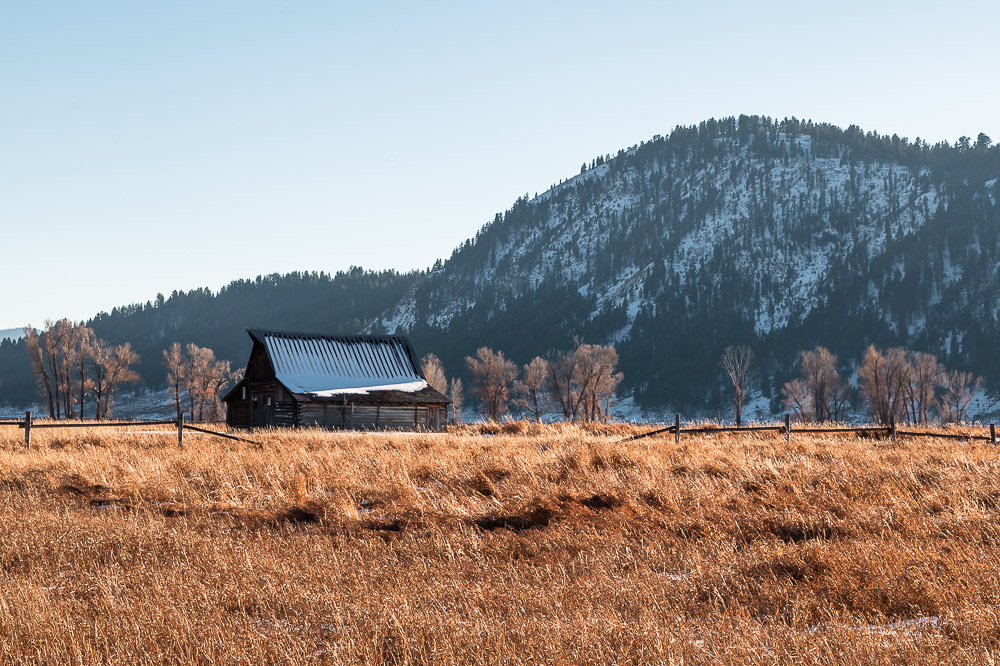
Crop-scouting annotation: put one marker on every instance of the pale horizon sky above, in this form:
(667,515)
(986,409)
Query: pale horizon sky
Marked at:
(151,147)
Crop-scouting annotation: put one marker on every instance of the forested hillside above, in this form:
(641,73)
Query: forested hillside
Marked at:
(778,235)
(345,301)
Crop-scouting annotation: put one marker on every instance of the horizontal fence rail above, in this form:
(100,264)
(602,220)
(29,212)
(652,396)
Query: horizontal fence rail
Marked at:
(98,424)
(986,438)
(858,429)
(707,429)
(28,424)
(890,431)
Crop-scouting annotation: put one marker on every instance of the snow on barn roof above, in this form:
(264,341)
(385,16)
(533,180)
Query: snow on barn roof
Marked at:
(324,366)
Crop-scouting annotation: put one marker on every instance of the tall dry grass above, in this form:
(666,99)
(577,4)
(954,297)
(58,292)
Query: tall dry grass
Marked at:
(500,544)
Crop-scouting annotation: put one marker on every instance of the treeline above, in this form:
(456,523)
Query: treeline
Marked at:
(897,385)
(78,374)
(345,301)
(579,385)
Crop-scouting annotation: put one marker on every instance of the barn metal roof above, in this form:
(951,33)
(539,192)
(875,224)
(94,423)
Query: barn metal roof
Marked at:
(325,366)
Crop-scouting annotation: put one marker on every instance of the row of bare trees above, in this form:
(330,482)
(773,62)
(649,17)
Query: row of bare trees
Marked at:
(895,385)
(194,371)
(71,364)
(74,368)
(579,385)
(907,386)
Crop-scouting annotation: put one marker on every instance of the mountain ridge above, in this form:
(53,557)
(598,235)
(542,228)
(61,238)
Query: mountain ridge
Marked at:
(744,230)
(782,235)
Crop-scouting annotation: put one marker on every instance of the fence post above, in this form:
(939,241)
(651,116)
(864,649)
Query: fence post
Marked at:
(27,429)
(180,430)
(892,427)
(677,428)
(993,433)
(788,427)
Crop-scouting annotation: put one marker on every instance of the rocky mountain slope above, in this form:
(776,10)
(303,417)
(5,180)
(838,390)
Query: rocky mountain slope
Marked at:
(780,235)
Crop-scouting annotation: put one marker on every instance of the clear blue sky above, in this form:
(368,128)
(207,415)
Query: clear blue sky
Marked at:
(146,147)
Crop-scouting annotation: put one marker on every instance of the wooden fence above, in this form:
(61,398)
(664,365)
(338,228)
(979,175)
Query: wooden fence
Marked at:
(28,424)
(890,431)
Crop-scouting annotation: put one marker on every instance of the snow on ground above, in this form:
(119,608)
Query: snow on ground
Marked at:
(984,407)
(139,404)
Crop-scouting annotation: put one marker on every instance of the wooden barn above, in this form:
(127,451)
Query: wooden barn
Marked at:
(344,382)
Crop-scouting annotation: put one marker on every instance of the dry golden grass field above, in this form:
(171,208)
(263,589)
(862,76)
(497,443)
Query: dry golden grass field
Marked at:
(504,544)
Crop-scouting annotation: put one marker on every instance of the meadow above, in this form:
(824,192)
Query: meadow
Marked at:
(497,544)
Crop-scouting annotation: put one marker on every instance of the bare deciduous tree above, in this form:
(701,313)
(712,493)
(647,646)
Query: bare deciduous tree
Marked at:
(223,375)
(599,380)
(530,389)
(561,374)
(736,364)
(173,359)
(433,371)
(195,365)
(492,376)
(583,383)
(79,354)
(798,399)
(840,401)
(53,344)
(819,371)
(819,395)
(960,388)
(36,356)
(926,375)
(883,379)
(456,393)
(204,378)
(112,368)
(100,360)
